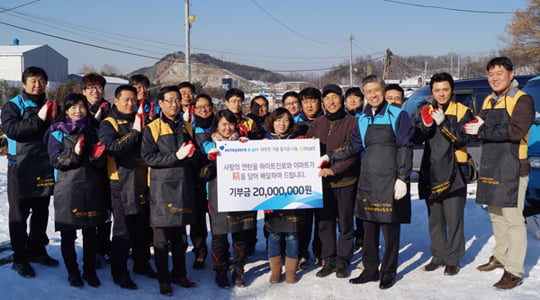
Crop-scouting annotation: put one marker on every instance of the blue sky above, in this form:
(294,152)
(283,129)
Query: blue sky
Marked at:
(301,36)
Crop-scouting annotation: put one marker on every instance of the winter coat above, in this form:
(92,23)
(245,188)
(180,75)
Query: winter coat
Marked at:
(504,147)
(225,222)
(285,220)
(80,193)
(444,169)
(303,122)
(172,198)
(332,135)
(26,151)
(125,166)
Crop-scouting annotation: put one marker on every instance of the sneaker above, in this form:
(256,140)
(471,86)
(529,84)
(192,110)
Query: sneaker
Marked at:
(342,270)
(75,279)
(45,260)
(125,282)
(221,278)
(24,269)
(146,270)
(238,276)
(92,279)
(327,269)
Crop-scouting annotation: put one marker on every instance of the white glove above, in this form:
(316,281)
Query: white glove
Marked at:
(213,153)
(139,115)
(97,116)
(473,126)
(44,111)
(79,145)
(243,139)
(186,150)
(325,160)
(438,116)
(400,189)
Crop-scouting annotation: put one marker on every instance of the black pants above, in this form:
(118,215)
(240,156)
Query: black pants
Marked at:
(70,255)
(370,257)
(175,239)
(338,211)
(446,229)
(198,231)
(305,228)
(103,239)
(129,232)
(220,249)
(26,244)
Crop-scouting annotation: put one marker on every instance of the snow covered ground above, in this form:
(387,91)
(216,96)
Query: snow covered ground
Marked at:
(412,282)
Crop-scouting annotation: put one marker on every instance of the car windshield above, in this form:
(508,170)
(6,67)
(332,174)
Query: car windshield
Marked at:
(532,88)
(416,98)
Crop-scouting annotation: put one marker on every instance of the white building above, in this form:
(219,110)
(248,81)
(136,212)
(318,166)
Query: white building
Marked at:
(15,58)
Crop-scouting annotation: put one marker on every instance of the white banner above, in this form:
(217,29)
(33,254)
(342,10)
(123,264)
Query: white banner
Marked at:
(269,174)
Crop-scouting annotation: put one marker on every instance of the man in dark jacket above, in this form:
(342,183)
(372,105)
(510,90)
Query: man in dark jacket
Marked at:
(503,126)
(121,134)
(25,119)
(339,184)
(310,100)
(444,172)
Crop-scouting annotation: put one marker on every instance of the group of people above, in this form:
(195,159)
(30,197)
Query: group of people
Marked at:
(152,166)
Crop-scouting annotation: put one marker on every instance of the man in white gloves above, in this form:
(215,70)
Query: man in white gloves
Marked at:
(503,126)
(168,149)
(30,176)
(384,133)
(444,172)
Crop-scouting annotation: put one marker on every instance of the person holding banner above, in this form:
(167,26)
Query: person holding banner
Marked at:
(339,184)
(281,224)
(384,135)
(238,224)
(167,148)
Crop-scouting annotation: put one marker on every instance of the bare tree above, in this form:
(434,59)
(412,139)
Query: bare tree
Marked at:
(524,33)
(86,69)
(109,70)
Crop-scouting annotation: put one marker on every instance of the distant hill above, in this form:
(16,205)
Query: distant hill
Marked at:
(207,70)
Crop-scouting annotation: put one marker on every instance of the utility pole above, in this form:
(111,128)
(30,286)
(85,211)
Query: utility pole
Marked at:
(350,59)
(458,65)
(425,71)
(187,26)
(387,63)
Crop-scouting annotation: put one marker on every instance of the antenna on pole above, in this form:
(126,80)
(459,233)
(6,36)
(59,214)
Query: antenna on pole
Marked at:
(187,26)
(351,37)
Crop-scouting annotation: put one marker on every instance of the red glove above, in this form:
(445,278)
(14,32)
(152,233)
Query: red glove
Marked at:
(243,139)
(213,153)
(301,137)
(101,110)
(242,129)
(268,211)
(79,146)
(46,110)
(51,113)
(426,115)
(325,160)
(186,150)
(98,149)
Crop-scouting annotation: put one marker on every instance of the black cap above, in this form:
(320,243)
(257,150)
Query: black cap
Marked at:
(331,88)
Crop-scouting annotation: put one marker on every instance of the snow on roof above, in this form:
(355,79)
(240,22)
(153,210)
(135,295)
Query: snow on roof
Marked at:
(11,49)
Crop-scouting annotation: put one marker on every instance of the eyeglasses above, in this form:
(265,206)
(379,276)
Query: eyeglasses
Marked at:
(202,106)
(176,101)
(94,87)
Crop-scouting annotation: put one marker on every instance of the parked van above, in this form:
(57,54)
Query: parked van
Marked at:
(532,88)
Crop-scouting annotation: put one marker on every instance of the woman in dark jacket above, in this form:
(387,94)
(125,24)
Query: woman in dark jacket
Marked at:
(79,191)
(281,224)
(223,223)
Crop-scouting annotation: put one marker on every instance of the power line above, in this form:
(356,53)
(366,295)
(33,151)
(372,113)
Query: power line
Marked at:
(452,9)
(287,27)
(18,6)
